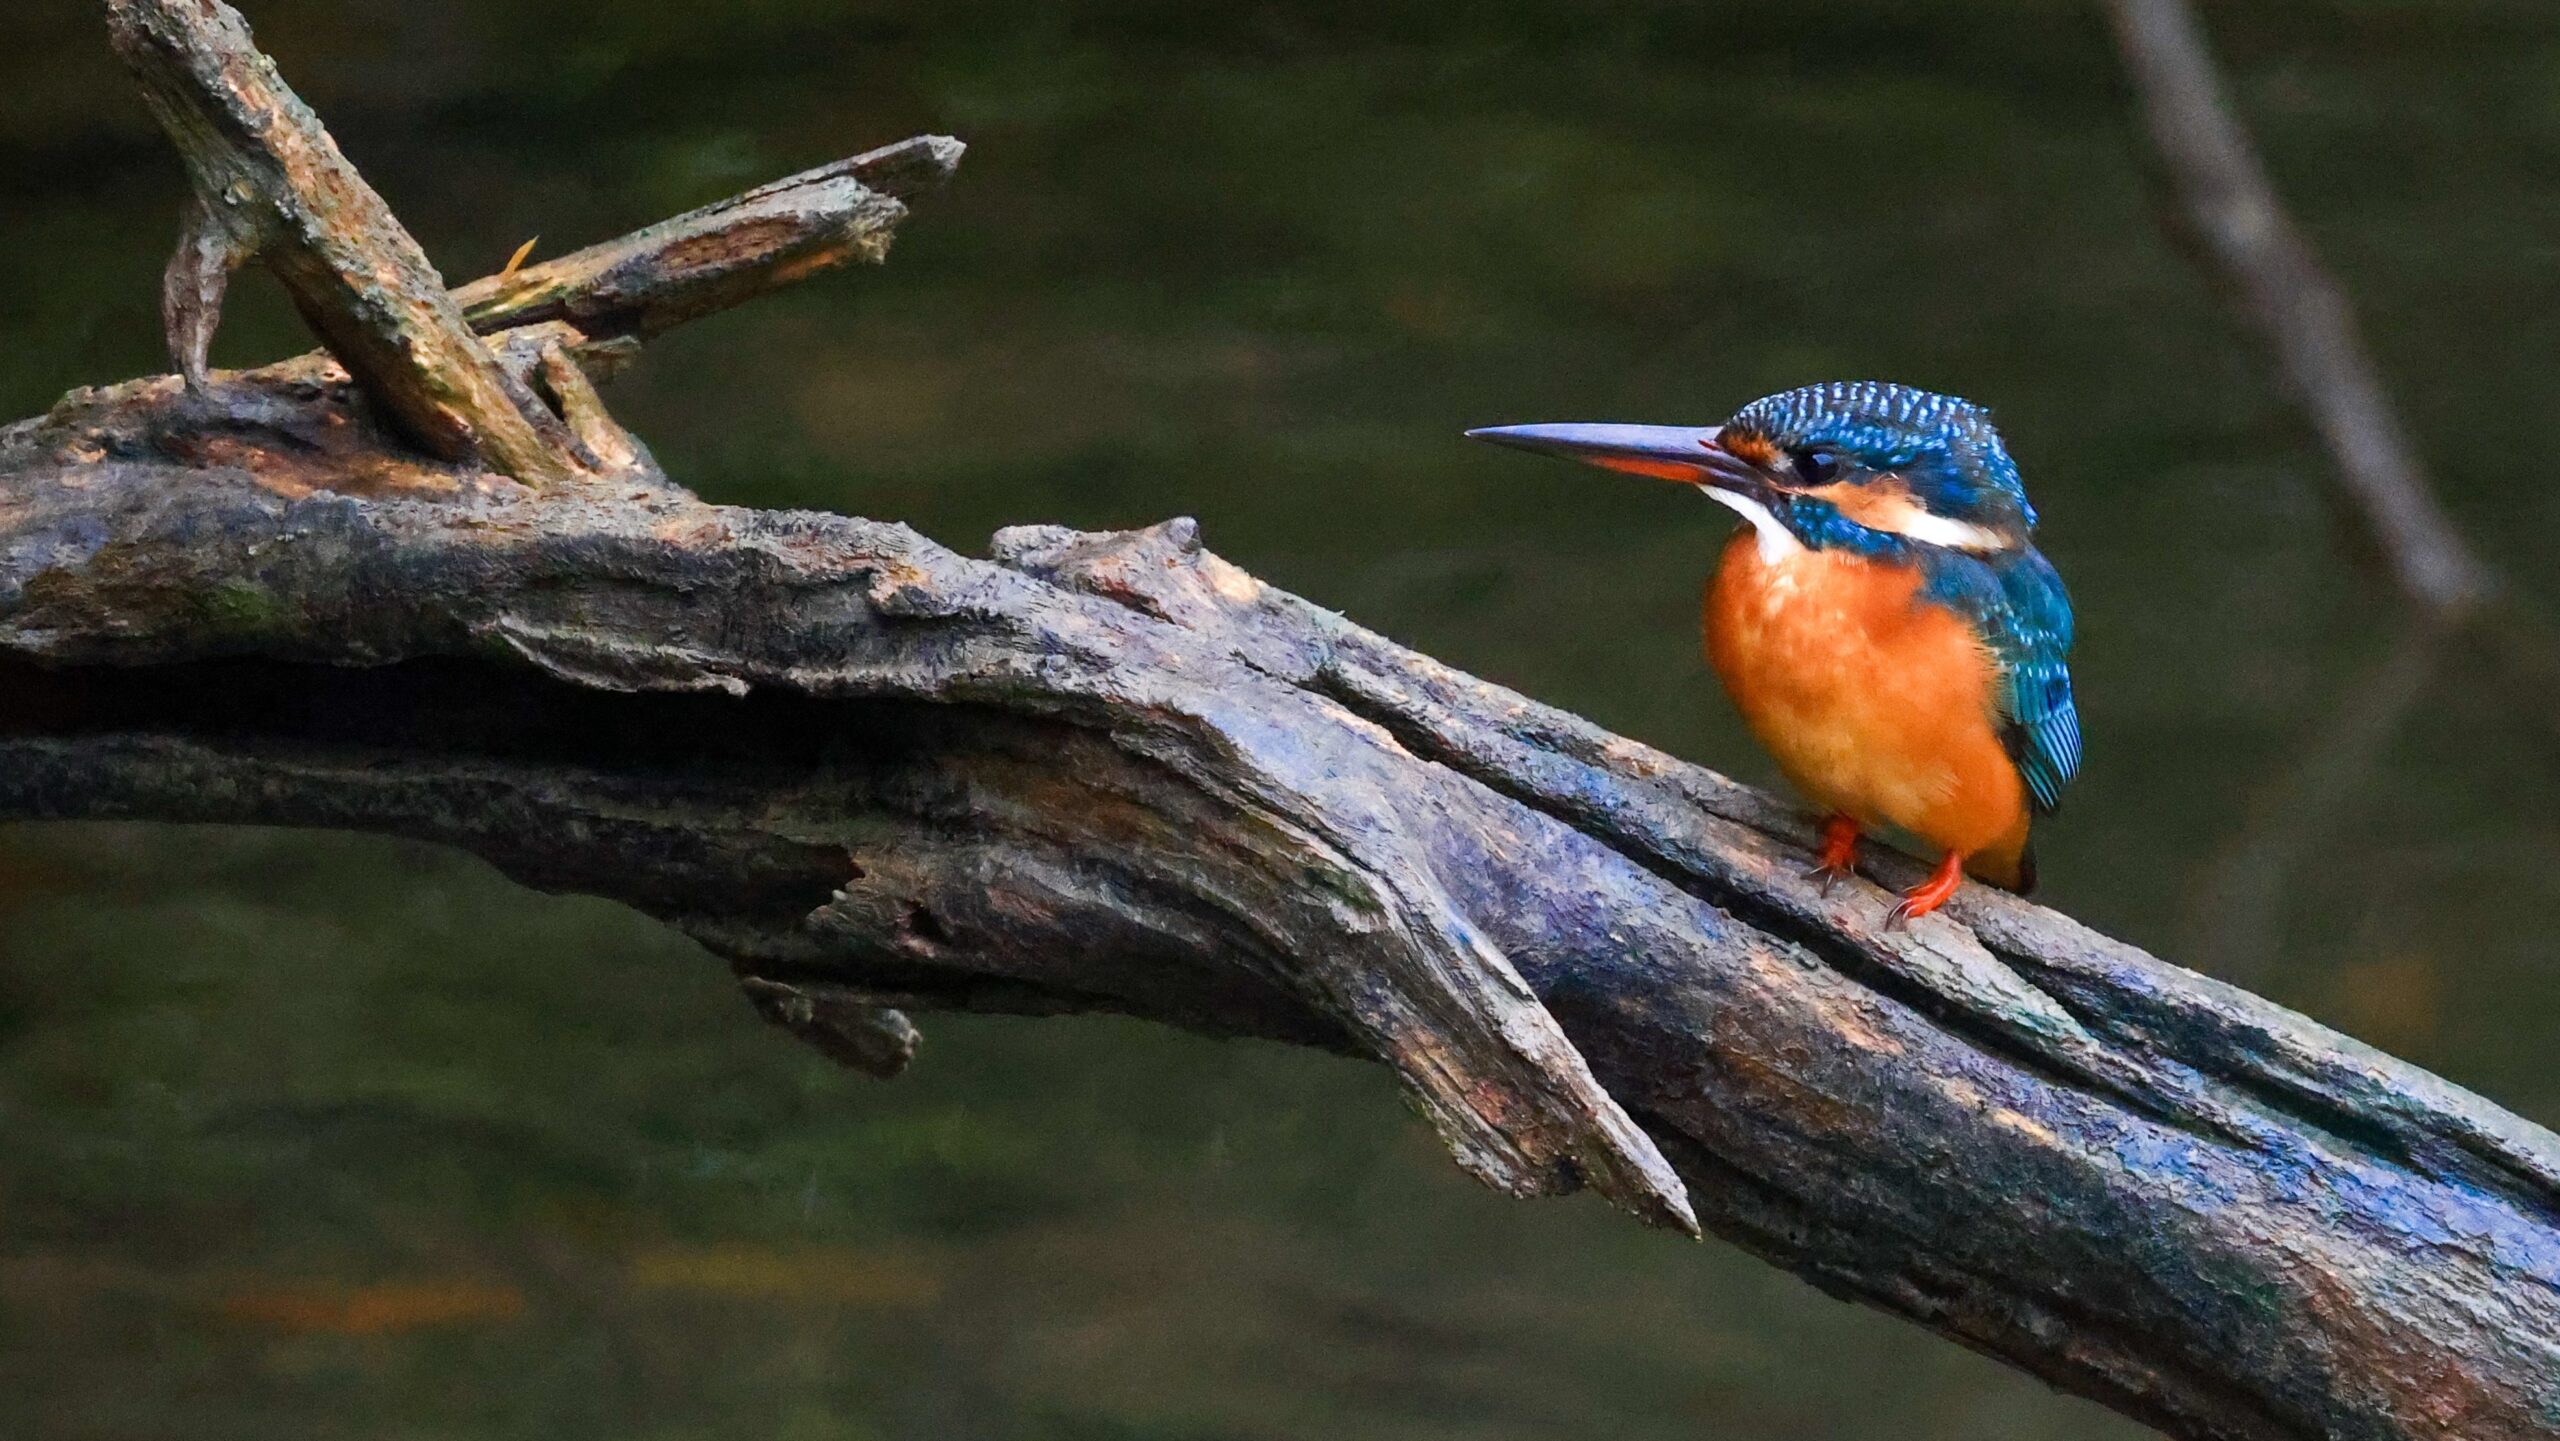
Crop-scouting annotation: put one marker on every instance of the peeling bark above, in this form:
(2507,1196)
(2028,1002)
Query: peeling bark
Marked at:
(722,254)
(267,182)
(1117,773)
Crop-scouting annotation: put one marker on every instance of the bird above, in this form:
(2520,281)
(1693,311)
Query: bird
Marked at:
(1881,618)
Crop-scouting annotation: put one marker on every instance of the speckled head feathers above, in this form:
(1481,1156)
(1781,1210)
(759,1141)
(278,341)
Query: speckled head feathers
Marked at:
(1943,448)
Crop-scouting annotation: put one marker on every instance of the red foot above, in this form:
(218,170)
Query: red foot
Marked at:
(1839,855)
(1930,894)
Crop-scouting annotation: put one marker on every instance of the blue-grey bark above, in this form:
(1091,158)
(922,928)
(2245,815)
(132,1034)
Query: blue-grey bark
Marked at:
(1116,773)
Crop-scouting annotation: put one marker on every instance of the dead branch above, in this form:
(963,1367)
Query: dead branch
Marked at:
(266,182)
(2231,207)
(722,254)
(1117,773)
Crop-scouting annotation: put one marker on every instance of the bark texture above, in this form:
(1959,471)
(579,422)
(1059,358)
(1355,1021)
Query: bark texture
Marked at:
(1117,773)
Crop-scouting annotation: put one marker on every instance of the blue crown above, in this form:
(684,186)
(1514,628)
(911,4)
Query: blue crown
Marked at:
(1944,448)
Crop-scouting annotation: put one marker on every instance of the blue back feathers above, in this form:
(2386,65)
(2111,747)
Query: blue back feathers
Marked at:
(1947,453)
(2016,602)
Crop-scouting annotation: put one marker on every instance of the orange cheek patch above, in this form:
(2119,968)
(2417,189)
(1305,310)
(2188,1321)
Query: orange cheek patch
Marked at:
(1877,505)
(1758,449)
(1886,504)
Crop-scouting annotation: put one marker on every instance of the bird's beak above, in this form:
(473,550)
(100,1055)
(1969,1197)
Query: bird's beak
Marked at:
(1686,454)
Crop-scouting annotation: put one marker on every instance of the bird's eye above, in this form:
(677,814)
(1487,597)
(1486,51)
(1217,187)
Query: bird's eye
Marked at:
(1817,466)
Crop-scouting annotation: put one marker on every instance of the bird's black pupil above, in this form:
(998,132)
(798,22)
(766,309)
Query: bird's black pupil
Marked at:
(1816,466)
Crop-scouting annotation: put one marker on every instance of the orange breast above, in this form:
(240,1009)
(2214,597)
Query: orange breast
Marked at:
(1875,705)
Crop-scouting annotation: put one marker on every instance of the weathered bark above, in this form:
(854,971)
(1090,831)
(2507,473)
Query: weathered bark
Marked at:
(1116,773)
(266,182)
(724,253)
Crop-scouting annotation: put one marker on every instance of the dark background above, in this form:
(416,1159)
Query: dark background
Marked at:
(310,1135)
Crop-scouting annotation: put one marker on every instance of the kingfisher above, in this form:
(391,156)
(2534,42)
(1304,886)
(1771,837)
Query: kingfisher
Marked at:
(1881,619)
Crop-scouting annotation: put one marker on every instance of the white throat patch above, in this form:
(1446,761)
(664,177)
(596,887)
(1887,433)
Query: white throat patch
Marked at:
(1777,543)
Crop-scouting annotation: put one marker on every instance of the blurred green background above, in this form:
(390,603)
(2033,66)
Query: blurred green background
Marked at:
(309,1135)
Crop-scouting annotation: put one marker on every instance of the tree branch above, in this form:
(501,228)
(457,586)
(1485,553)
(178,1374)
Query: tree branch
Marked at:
(1117,773)
(724,253)
(2230,206)
(267,182)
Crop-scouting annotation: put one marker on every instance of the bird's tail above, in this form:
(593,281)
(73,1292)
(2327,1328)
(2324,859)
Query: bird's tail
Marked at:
(2009,862)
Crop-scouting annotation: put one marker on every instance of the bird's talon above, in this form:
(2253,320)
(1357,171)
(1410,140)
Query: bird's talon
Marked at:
(1927,896)
(1839,854)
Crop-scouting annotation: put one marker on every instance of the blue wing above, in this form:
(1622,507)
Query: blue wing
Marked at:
(2016,600)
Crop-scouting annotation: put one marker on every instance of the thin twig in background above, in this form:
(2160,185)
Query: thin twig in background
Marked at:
(2230,207)
(2223,192)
